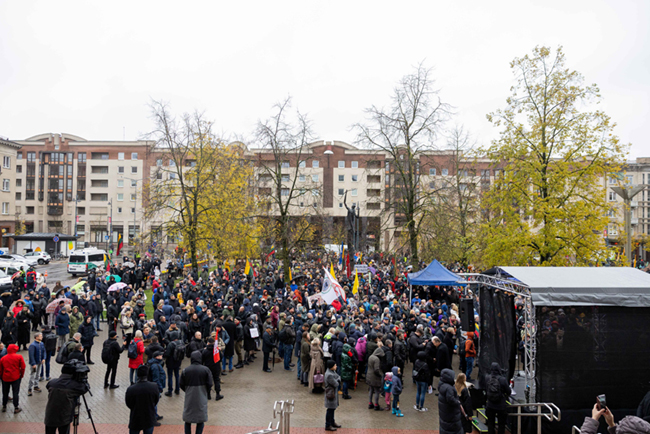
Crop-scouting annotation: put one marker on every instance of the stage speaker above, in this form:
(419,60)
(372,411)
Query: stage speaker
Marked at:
(467,314)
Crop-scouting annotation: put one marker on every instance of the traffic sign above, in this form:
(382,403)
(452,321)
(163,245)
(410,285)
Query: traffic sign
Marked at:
(55,239)
(106,237)
(154,244)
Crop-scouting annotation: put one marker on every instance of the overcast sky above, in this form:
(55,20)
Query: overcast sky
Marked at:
(90,68)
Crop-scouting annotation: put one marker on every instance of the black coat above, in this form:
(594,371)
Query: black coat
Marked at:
(115,349)
(87,331)
(231,329)
(449,405)
(443,361)
(141,398)
(63,394)
(415,346)
(495,370)
(268,342)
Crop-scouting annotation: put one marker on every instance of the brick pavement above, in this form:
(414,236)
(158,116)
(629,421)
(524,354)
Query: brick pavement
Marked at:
(249,397)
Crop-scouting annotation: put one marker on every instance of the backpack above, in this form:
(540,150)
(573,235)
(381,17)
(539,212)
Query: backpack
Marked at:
(62,357)
(133,350)
(283,336)
(50,342)
(493,389)
(179,351)
(107,357)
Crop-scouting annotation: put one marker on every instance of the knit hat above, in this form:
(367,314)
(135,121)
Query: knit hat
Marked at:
(143,371)
(112,334)
(330,364)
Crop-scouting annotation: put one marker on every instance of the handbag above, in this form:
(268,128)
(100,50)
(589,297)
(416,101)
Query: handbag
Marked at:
(330,393)
(318,378)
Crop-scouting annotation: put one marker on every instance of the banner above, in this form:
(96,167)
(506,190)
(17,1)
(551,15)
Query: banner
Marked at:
(331,288)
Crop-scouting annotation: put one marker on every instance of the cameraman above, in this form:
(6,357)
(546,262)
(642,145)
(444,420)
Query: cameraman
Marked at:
(64,393)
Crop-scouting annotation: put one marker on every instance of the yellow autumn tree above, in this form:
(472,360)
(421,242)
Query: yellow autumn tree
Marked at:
(548,206)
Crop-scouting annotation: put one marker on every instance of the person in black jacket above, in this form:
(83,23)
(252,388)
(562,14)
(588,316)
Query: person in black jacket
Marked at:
(422,377)
(416,344)
(115,349)
(142,398)
(496,405)
(449,408)
(63,394)
(268,344)
(207,359)
(443,360)
(87,330)
(227,356)
(173,362)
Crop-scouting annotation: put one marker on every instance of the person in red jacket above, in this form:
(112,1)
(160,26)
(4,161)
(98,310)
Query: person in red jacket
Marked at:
(470,354)
(12,370)
(134,363)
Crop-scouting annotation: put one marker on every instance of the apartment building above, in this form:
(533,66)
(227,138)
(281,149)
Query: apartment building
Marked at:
(67,184)
(9,192)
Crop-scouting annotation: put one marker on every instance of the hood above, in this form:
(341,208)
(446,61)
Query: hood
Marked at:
(422,355)
(314,328)
(347,348)
(447,376)
(12,349)
(495,368)
(154,361)
(361,340)
(196,357)
(342,337)
(378,352)
(394,370)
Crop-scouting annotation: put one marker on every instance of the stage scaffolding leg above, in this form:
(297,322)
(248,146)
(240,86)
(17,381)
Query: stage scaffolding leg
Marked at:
(530,348)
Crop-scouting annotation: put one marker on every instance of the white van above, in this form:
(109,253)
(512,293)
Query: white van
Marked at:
(82,261)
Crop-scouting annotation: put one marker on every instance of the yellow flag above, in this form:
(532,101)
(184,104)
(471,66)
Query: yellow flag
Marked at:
(248,267)
(226,265)
(355,287)
(290,278)
(332,270)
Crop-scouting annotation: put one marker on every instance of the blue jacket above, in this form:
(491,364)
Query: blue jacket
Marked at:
(36,353)
(396,388)
(62,324)
(157,373)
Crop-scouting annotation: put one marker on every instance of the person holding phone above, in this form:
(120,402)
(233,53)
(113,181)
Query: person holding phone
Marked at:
(628,425)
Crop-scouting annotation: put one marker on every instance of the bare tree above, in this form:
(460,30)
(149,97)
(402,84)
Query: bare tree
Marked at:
(404,132)
(289,202)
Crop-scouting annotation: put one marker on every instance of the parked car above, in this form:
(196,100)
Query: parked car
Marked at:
(30,262)
(11,267)
(41,257)
(5,282)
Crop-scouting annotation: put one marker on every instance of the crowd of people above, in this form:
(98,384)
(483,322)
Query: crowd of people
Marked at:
(223,320)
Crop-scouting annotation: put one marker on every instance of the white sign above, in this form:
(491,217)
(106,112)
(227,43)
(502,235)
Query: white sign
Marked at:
(361,268)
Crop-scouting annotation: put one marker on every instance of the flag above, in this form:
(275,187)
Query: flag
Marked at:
(247,269)
(271,252)
(290,278)
(332,269)
(120,244)
(355,287)
(107,263)
(342,254)
(226,265)
(216,355)
(331,289)
(347,265)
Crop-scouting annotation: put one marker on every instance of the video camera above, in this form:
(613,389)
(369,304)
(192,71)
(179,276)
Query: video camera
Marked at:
(77,369)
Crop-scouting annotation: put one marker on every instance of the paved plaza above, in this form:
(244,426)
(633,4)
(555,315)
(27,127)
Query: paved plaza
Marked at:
(248,404)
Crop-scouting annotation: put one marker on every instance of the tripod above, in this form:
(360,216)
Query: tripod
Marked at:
(75,418)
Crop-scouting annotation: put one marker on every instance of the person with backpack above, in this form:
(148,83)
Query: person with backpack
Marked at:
(12,370)
(135,354)
(497,390)
(67,349)
(157,375)
(449,408)
(288,337)
(111,351)
(174,355)
(49,339)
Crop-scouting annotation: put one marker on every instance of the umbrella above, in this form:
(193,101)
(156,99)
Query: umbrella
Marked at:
(115,277)
(128,264)
(53,304)
(16,274)
(78,285)
(116,286)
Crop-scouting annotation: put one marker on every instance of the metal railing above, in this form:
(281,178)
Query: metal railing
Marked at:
(576,430)
(282,410)
(551,416)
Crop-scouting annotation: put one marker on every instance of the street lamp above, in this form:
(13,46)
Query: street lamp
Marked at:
(627,192)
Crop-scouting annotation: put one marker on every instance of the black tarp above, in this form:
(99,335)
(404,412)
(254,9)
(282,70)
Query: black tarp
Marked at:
(498,340)
(583,352)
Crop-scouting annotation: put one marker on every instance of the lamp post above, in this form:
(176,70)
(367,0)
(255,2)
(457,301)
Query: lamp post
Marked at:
(627,193)
(110,226)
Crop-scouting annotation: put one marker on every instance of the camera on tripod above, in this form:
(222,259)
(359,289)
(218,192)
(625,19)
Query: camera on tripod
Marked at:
(77,369)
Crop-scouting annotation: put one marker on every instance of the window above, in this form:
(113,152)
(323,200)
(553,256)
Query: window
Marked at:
(284,192)
(355,164)
(445,172)
(132,210)
(314,178)
(19,168)
(19,196)
(340,205)
(301,178)
(341,192)
(99,155)
(81,210)
(315,164)
(285,165)
(120,196)
(132,197)
(172,176)
(119,210)
(159,162)
(6,162)
(341,164)
(19,156)
(31,157)
(190,163)
(19,183)
(355,178)
(103,183)
(134,169)
(134,155)
(302,204)
(629,179)
(302,164)
(5,185)
(81,157)
(120,183)
(99,197)
(29,209)
(612,196)
(285,178)
(134,183)
(159,175)
(341,178)
(172,163)
(99,169)
(353,192)
(120,156)
(432,171)
(5,207)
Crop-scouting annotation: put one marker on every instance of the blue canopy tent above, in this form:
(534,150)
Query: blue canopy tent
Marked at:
(434,275)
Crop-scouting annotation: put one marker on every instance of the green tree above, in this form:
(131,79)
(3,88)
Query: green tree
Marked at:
(548,204)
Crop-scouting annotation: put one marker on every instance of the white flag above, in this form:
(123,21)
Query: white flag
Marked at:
(331,288)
